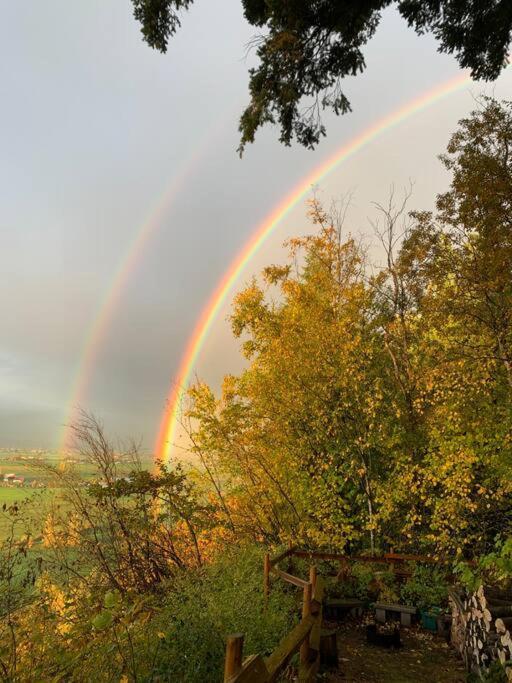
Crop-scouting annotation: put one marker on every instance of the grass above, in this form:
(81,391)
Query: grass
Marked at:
(18,464)
(10,495)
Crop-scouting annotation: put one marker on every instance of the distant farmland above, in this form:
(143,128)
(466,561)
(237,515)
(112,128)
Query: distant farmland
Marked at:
(37,482)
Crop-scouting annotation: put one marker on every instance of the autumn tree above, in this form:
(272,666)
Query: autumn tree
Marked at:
(298,432)
(456,264)
(376,407)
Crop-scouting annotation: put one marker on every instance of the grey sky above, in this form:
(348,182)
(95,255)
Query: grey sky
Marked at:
(94,127)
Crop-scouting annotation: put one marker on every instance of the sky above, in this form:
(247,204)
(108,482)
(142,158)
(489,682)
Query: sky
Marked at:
(106,142)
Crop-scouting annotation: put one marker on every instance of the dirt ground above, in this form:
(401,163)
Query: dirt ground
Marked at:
(424,658)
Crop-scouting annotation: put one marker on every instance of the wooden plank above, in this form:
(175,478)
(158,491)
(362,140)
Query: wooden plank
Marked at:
(253,670)
(335,556)
(288,647)
(318,593)
(318,596)
(316,609)
(314,638)
(397,557)
(306,612)
(390,607)
(344,602)
(266,577)
(382,559)
(307,674)
(290,578)
(312,576)
(278,558)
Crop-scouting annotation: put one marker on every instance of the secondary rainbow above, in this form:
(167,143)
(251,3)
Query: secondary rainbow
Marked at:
(132,256)
(169,421)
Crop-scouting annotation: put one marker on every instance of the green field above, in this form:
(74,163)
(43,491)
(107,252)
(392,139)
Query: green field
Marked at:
(37,481)
(10,495)
(24,465)
(29,466)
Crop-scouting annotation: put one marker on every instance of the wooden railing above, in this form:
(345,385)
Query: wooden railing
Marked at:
(306,635)
(398,562)
(304,638)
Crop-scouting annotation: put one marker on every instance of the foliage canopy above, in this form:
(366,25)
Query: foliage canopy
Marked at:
(376,407)
(306,49)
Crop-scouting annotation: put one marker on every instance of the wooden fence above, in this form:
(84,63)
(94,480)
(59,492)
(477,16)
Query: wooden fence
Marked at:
(306,635)
(304,638)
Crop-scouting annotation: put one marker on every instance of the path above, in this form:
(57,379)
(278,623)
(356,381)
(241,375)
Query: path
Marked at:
(422,659)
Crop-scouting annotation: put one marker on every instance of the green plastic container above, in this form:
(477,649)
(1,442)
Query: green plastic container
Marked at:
(429,618)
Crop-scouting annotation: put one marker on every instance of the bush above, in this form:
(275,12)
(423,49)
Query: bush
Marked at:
(495,568)
(427,587)
(366,582)
(226,598)
(178,634)
(496,673)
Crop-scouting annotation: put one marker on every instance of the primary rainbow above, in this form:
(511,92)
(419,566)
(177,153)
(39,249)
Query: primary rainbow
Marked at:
(169,420)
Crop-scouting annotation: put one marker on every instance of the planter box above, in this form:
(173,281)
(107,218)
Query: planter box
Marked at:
(429,621)
(385,611)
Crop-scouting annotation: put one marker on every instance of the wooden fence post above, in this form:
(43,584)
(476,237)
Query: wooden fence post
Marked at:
(306,611)
(266,577)
(234,654)
(312,577)
(289,565)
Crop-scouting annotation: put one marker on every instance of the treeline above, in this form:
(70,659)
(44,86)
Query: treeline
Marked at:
(375,411)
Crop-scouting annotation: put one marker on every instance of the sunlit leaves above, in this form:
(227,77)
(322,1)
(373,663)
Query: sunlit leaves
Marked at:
(378,409)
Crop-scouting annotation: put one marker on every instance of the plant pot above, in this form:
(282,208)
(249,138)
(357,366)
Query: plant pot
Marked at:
(429,619)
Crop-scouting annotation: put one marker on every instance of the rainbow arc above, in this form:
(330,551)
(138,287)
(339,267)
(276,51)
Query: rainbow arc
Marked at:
(169,421)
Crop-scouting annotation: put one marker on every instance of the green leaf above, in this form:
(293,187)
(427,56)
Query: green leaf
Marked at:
(102,620)
(112,599)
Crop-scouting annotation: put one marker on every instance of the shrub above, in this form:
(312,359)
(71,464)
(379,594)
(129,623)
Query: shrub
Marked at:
(366,582)
(496,673)
(178,634)
(226,598)
(494,568)
(427,587)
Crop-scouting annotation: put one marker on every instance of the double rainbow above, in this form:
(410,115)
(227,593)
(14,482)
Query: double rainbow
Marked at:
(169,422)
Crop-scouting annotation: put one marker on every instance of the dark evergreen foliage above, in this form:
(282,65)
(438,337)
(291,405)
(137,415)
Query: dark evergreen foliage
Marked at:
(309,46)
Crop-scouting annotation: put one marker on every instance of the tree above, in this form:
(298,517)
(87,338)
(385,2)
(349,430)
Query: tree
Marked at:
(296,437)
(376,408)
(308,47)
(457,264)
(129,529)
